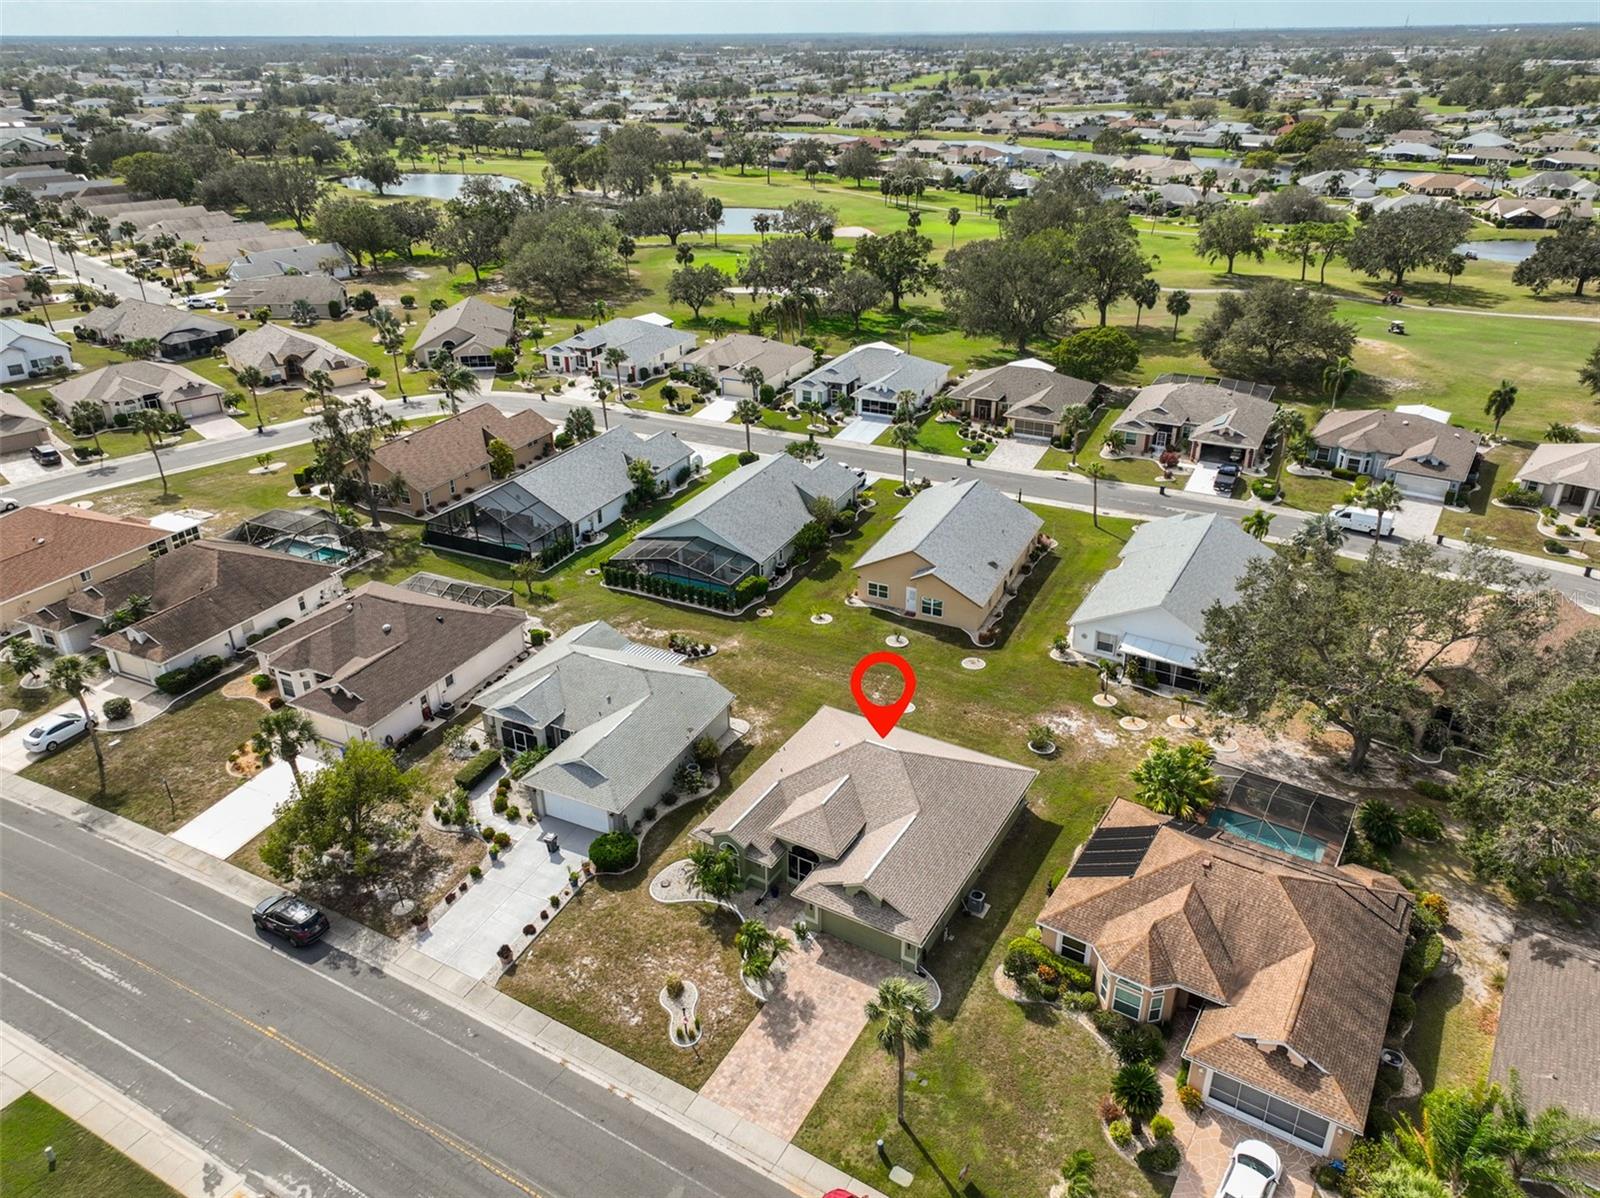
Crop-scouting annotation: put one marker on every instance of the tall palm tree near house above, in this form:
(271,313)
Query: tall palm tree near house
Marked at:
(392,338)
(903,1021)
(283,733)
(70,676)
(1176,780)
(71,251)
(1501,400)
(1074,420)
(319,387)
(909,326)
(452,379)
(613,358)
(903,434)
(1335,376)
(1137,1090)
(1094,472)
(127,230)
(747,412)
(1145,293)
(1288,423)
(755,378)
(1177,307)
(952,217)
(86,417)
(251,379)
(1377,497)
(1257,523)
(1545,1148)
(600,311)
(39,287)
(153,424)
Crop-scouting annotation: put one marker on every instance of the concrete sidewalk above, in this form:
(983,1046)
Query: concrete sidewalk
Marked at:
(659,1096)
(27,1066)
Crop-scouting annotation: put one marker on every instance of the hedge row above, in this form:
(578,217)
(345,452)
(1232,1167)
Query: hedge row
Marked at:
(175,682)
(613,852)
(474,771)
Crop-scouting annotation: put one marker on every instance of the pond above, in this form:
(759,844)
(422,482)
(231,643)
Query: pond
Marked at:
(742,220)
(428,185)
(1499,251)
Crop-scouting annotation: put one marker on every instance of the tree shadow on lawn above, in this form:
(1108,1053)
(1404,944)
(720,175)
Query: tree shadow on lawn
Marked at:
(1006,881)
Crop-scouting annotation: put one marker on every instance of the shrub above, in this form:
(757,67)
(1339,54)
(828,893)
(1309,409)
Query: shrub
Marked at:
(1109,1023)
(1420,823)
(1264,488)
(1423,955)
(175,682)
(746,457)
(1082,1000)
(119,707)
(674,987)
(1514,496)
(1401,1013)
(502,840)
(688,779)
(476,872)
(1551,545)
(1110,1109)
(526,760)
(529,929)
(262,682)
(474,771)
(501,803)
(1161,1127)
(1161,1157)
(705,752)
(1435,904)
(1440,792)
(1121,1132)
(1138,1042)
(614,851)
(750,589)
(513,814)
(503,952)
(1191,1099)
(275,702)
(1379,823)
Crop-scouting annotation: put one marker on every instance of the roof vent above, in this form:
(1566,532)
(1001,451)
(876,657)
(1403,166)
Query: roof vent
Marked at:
(1206,863)
(349,607)
(439,619)
(387,629)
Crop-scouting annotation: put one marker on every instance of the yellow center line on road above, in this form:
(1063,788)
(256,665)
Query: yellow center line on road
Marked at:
(272,1034)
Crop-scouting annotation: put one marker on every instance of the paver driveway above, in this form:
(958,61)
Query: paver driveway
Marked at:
(788,1054)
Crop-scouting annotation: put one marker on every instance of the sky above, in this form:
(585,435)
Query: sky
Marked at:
(530,18)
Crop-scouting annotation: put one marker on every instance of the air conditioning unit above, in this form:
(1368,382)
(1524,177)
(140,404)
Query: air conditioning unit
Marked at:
(977,902)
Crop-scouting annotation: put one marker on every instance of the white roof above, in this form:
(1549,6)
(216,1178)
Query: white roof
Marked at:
(656,318)
(1426,411)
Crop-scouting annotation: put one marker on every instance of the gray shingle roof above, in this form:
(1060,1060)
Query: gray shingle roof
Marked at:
(759,508)
(630,714)
(639,339)
(730,354)
(1416,445)
(1550,1023)
(969,534)
(473,320)
(1571,465)
(307,259)
(1181,564)
(880,369)
(1029,393)
(915,816)
(133,380)
(132,320)
(1218,416)
(317,290)
(270,346)
(583,479)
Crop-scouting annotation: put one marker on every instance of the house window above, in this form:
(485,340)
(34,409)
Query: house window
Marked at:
(1105,984)
(801,862)
(285,686)
(48,637)
(1105,642)
(1158,1004)
(85,575)
(1128,999)
(933,607)
(877,590)
(449,679)
(1073,950)
(302,602)
(16,369)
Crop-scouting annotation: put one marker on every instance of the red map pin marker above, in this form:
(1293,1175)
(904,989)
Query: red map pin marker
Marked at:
(883,717)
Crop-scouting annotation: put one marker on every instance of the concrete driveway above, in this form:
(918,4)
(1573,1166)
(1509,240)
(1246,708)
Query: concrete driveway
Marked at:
(21,468)
(718,411)
(234,820)
(219,427)
(862,431)
(783,1061)
(1416,518)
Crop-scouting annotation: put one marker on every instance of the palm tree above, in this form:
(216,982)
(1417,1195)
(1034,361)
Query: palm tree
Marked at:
(153,425)
(1177,308)
(1074,419)
(747,412)
(87,415)
(70,676)
(1335,375)
(1137,1090)
(1544,1148)
(903,1018)
(952,217)
(40,289)
(1501,400)
(452,379)
(250,379)
(759,949)
(283,733)
(25,657)
(1288,423)
(913,325)
(1378,497)
(393,340)
(1257,523)
(1457,1140)
(1176,780)
(717,874)
(903,435)
(754,378)
(1094,472)
(614,357)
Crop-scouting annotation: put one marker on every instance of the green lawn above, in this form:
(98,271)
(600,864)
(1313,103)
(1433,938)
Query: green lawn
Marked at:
(1143,471)
(1309,494)
(940,437)
(86,1166)
(1504,527)
(185,749)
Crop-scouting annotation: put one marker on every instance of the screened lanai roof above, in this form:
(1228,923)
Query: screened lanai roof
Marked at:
(473,593)
(268,526)
(692,555)
(1322,817)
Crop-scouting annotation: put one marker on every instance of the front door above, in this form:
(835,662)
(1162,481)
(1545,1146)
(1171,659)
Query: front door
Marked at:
(801,862)
(911,600)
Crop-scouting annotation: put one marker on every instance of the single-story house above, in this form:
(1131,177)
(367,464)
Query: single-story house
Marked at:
(1533,211)
(387,661)
(1028,396)
(873,375)
(742,526)
(48,551)
(728,358)
(292,356)
(1567,160)
(202,599)
(177,332)
(280,293)
(1204,421)
(21,428)
(952,556)
(1291,963)
(1567,476)
(1461,187)
(1149,613)
(616,717)
(469,331)
(28,350)
(1409,151)
(1549,1024)
(1352,183)
(1425,458)
(882,838)
(124,388)
(319,258)
(13,289)
(562,499)
(439,463)
(651,345)
(1557,185)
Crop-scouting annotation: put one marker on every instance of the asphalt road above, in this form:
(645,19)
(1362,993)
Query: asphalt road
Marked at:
(1124,499)
(311,1073)
(92,271)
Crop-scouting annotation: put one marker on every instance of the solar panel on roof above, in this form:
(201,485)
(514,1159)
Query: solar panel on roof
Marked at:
(1113,853)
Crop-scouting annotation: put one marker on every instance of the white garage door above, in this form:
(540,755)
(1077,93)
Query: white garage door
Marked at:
(574,812)
(1422,488)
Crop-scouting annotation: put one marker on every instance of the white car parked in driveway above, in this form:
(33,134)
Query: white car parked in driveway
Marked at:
(55,731)
(1253,1171)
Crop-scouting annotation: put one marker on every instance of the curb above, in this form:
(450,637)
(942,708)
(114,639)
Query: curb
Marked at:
(28,1067)
(714,1125)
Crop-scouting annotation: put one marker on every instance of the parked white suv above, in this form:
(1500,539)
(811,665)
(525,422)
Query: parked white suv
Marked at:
(1253,1171)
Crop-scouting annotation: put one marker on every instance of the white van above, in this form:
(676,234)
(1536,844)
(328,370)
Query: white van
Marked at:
(1363,520)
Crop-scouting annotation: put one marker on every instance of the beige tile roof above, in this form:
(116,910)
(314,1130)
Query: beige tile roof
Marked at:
(268,347)
(430,457)
(47,542)
(1301,958)
(900,823)
(134,380)
(1416,445)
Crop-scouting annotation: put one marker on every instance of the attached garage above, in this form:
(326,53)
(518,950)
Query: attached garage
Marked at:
(1419,487)
(573,812)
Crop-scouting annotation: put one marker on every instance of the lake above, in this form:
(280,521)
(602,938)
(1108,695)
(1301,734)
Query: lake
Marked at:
(742,220)
(1499,251)
(427,185)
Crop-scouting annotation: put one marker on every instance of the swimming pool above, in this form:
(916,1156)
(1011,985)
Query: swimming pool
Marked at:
(1274,836)
(296,547)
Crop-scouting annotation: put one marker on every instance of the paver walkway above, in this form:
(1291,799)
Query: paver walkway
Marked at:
(788,1054)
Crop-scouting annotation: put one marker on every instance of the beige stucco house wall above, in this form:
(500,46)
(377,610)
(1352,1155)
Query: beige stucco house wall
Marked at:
(44,596)
(904,594)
